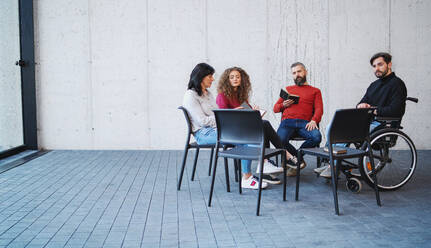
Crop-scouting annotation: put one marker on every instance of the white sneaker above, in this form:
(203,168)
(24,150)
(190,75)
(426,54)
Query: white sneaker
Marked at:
(321,168)
(269,168)
(252,183)
(291,162)
(326,173)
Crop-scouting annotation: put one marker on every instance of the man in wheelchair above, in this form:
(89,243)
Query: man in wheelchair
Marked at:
(387,95)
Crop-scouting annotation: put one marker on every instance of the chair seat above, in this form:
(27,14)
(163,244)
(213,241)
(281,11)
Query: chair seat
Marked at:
(320,152)
(249,153)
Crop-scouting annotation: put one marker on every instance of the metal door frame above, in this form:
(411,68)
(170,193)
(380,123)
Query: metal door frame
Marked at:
(28,84)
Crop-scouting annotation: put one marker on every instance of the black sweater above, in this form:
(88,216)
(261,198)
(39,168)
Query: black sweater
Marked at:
(388,94)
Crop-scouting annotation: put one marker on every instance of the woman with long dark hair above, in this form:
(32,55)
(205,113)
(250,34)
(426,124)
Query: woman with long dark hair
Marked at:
(200,103)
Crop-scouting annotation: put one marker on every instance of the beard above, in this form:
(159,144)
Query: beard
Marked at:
(300,80)
(381,74)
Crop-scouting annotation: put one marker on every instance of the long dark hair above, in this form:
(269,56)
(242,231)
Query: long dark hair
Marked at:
(200,71)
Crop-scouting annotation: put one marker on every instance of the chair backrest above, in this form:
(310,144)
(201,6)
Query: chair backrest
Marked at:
(350,125)
(187,117)
(239,126)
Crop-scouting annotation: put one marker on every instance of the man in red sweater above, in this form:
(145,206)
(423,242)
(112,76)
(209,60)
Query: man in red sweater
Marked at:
(302,117)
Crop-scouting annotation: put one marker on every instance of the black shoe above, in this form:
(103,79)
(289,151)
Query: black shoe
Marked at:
(268,178)
(291,162)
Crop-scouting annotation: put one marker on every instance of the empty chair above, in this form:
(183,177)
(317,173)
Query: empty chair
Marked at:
(243,127)
(348,126)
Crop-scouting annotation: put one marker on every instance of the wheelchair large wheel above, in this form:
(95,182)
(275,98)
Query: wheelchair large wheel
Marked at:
(395,159)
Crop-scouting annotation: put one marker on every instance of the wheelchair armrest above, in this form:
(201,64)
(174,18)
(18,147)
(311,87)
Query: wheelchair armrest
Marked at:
(387,119)
(413,99)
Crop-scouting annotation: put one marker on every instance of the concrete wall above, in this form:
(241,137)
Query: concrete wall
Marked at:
(110,74)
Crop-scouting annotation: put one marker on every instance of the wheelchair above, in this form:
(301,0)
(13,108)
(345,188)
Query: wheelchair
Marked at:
(395,158)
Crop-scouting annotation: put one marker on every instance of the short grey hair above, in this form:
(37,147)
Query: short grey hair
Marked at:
(297,64)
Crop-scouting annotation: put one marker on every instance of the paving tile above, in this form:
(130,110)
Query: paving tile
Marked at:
(129,198)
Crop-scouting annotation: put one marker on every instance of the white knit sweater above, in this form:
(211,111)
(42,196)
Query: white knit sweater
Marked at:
(200,109)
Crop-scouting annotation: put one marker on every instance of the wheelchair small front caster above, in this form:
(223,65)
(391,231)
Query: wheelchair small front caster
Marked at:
(354,185)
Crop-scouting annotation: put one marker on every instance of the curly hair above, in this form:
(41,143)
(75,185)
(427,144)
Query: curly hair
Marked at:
(244,90)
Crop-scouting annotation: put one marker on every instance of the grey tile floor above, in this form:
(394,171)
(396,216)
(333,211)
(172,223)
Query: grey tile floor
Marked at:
(16,157)
(129,199)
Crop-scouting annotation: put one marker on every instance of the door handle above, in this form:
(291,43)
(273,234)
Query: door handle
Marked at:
(20,63)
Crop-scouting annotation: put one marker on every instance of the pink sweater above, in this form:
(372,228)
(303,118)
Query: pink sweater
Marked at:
(224,102)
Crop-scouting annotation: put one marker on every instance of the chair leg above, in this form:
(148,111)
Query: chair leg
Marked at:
(186,150)
(226,168)
(235,165)
(213,177)
(211,161)
(239,172)
(259,196)
(283,163)
(376,189)
(194,164)
(226,173)
(334,177)
(298,172)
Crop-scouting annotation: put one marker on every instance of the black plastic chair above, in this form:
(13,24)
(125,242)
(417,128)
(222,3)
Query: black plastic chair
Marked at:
(348,126)
(243,127)
(194,145)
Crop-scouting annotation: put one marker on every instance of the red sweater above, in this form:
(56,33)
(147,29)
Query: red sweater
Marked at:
(224,102)
(309,107)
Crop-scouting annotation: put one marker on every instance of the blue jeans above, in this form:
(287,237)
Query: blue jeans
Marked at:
(208,136)
(246,164)
(374,125)
(289,126)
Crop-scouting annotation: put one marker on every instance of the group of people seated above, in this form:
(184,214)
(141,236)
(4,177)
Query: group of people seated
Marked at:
(387,95)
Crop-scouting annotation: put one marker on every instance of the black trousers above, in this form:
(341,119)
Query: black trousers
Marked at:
(271,136)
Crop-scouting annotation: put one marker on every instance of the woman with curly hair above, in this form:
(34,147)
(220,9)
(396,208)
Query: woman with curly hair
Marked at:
(234,90)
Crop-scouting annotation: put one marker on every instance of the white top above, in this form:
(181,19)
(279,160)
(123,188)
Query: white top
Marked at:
(200,109)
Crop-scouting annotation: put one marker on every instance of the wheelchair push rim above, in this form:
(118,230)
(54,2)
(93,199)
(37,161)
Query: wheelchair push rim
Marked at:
(395,159)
